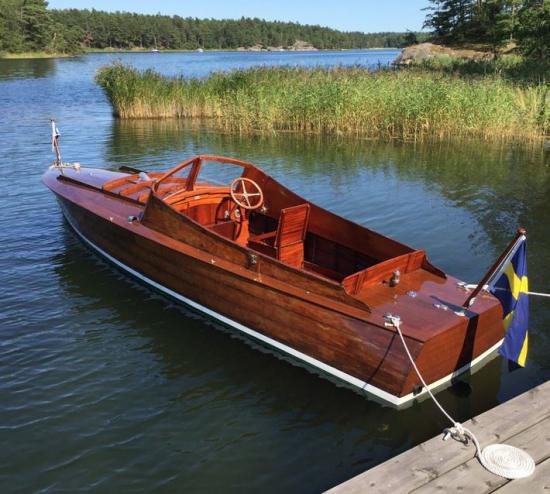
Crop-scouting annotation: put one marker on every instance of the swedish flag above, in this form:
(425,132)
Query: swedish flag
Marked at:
(512,289)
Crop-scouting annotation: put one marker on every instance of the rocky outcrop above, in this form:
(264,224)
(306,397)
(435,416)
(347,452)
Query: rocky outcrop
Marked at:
(302,46)
(297,46)
(429,51)
(251,48)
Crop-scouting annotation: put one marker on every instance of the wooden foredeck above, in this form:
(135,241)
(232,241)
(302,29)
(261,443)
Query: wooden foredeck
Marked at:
(449,466)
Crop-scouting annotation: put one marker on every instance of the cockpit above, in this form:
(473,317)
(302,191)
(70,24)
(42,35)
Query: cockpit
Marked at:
(239,202)
(228,197)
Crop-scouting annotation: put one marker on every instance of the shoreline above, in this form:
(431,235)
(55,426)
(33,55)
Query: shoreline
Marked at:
(45,55)
(34,55)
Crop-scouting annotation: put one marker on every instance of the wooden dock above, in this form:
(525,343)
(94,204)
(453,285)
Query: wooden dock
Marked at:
(449,466)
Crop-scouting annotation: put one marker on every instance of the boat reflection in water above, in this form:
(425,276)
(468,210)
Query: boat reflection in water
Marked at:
(227,240)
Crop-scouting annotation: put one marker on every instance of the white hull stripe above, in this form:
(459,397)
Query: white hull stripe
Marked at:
(342,376)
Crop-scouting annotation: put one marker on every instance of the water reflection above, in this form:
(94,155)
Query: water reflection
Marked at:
(502,185)
(123,377)
(187,343)
(27,68)
(461,201)
(203,370)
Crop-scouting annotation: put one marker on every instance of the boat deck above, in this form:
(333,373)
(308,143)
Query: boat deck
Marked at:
(260,257)
(449,466)
(416,298)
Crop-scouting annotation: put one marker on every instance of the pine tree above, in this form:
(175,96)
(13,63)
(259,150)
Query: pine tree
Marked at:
(11,38)
(512,7)
(450,19)
(533,32)
(492,19)
(36,24)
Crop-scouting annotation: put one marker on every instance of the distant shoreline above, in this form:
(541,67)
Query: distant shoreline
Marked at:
(34,55)
(45,55)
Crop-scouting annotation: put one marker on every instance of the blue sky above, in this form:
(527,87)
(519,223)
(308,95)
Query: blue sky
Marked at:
(347,15)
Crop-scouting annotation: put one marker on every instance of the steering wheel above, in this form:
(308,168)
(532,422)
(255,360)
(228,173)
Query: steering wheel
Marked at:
(244,198)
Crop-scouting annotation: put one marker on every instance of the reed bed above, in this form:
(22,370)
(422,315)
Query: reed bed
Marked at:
(408,104)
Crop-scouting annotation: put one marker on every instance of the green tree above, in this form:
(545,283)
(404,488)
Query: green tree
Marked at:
(410,39)
(29,25)
(11,37)
(533,32)
(493,23)
(36,24)
(450,19)
(66,40)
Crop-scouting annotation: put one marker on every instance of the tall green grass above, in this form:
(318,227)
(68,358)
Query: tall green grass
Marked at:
(510,66)
(409,104)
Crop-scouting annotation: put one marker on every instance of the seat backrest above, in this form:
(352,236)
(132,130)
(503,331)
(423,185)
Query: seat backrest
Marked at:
(291,232)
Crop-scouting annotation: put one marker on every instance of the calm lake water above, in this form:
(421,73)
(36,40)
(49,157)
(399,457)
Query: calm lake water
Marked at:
(108,387)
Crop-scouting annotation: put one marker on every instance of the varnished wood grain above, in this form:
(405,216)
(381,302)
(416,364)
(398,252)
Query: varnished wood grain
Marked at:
(293,271)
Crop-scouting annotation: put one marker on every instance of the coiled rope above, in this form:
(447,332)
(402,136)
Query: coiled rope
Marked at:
(501,459)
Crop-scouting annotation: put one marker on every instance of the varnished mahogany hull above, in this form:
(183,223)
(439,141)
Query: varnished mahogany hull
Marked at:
(349,343)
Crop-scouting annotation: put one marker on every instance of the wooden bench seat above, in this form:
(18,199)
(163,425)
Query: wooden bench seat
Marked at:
(286,243)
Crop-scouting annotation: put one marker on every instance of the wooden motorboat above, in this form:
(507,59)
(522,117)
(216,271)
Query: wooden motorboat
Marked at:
(275,267)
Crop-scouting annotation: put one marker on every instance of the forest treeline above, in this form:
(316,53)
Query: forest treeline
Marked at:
(494,23)
(28,25)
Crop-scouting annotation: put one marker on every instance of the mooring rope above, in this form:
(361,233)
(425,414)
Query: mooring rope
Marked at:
(501,459)
(539,294)
(470,286)
(61,166)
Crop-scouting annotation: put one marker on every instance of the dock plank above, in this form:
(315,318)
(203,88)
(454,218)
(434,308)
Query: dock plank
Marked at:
(472,477)
(538,482)
(434,458)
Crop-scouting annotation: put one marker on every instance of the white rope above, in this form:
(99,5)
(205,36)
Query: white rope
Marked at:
(64,166)
(395,321)
(74,166)
(539,294)
(501,459)
(470,286)
(507,461)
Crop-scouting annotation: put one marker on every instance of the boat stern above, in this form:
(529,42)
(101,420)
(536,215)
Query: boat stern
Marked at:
(444,338)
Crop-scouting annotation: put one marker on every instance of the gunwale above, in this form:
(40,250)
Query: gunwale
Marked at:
(375,317)
(311,364)
(85,190)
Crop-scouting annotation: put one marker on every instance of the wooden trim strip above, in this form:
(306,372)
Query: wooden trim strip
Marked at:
(65,178)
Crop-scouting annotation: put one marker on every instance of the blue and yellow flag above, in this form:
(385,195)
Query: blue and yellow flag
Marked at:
(512,289)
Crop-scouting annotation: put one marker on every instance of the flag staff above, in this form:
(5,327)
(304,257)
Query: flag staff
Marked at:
(55,142)
(495,267)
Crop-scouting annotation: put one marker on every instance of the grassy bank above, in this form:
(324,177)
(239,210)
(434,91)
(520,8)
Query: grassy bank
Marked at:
(417,104)
(511,67)
(34,54)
